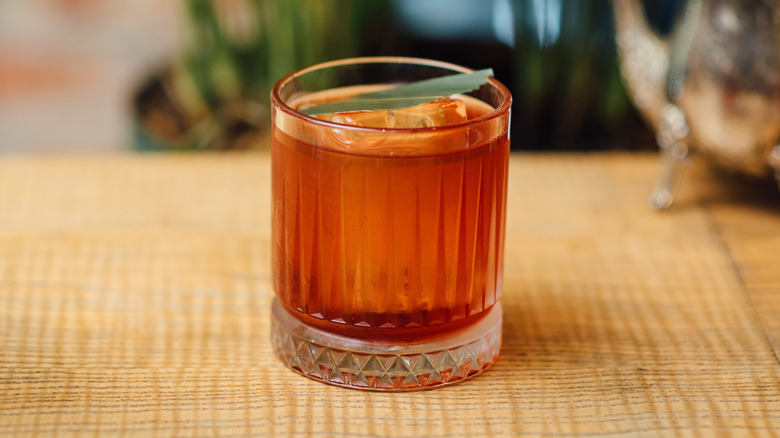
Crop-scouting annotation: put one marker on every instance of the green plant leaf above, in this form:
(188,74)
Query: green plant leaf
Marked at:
(407,95)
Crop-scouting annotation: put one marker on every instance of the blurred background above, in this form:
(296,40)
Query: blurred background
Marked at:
(100,76)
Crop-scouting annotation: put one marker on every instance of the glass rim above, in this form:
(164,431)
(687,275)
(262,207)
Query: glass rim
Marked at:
(277,101)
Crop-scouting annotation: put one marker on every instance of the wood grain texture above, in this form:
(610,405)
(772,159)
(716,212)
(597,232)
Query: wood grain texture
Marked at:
(135,292)
(746,214)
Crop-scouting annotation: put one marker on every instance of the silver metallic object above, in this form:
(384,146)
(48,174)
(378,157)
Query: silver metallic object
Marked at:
(713,87)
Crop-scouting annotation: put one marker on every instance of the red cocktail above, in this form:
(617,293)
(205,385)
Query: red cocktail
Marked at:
(388,228)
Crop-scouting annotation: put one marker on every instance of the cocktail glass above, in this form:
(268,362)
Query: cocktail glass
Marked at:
(387,243)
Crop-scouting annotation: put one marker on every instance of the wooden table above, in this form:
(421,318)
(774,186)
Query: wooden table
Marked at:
(135,292)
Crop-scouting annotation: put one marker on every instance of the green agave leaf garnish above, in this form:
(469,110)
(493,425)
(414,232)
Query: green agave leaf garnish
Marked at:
(407,95)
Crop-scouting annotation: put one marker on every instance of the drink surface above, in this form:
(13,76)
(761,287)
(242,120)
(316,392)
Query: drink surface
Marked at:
(409,242)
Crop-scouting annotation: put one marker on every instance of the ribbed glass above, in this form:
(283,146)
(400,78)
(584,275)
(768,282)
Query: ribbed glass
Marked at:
(387,228)
(391,242)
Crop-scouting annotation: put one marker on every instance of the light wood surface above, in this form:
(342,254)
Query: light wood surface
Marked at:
(135,292)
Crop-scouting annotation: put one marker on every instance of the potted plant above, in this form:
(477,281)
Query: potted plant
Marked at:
(214,96)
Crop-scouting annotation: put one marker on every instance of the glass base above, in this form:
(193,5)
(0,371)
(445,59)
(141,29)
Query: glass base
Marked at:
(381,364)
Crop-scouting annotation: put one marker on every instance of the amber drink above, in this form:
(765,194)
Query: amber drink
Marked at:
(387,227)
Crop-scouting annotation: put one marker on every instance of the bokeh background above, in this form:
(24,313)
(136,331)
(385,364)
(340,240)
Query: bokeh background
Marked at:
(102,76)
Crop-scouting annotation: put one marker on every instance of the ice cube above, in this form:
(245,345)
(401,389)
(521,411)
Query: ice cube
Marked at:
(440,112)
(437,113)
